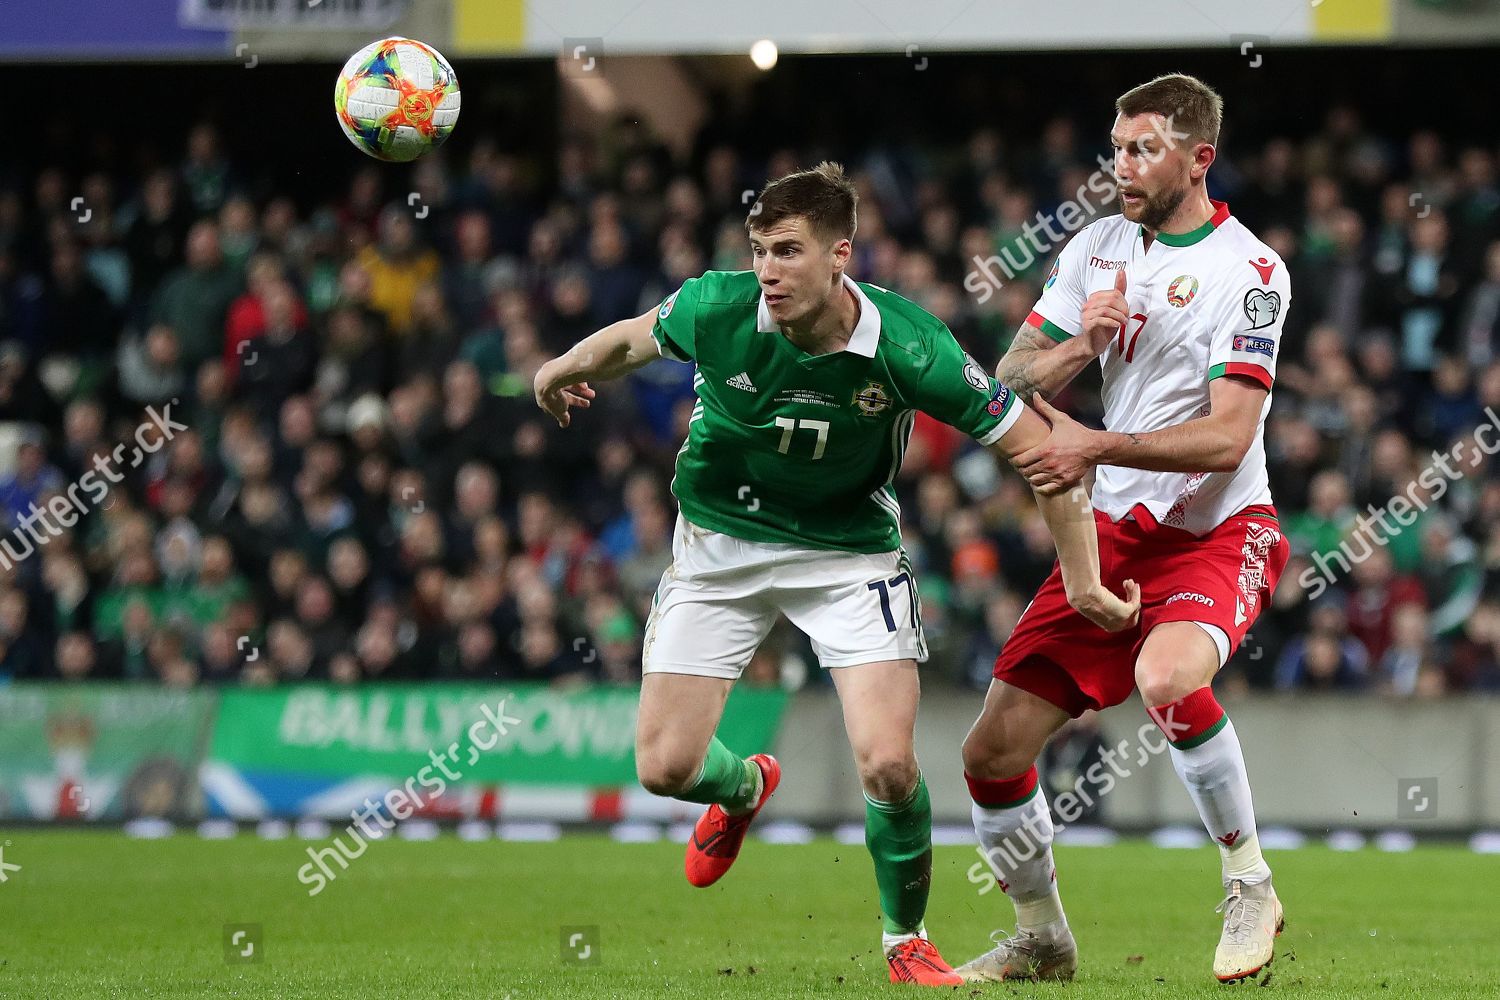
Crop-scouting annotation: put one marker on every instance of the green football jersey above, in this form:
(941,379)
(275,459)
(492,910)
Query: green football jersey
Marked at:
(784,446)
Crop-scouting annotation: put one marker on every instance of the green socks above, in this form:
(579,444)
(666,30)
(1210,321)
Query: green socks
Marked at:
(731,781)
(899,836)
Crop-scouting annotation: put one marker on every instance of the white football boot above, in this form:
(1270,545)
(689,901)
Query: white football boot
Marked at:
(1252,919)
(1023,956)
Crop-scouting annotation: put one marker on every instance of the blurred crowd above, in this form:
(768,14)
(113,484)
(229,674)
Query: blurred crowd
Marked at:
(363,488)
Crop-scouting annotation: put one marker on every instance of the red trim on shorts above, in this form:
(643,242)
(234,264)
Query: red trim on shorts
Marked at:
(1002,793)
(1189,717)
(1142,516)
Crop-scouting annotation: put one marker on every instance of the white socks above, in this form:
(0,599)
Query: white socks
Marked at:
(889,941)
(1017,843)
(1214,773)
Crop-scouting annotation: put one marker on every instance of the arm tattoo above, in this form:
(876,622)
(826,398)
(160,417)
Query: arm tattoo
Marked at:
(1018,378)
(1015,370)
(1134,438)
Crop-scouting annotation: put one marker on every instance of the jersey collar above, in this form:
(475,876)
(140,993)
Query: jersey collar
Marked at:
(866,336)
(1221,212)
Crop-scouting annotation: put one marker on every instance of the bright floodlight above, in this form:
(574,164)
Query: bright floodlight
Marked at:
(763,53)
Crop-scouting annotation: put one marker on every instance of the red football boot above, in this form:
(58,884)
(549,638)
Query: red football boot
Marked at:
(717,836)
(916,960)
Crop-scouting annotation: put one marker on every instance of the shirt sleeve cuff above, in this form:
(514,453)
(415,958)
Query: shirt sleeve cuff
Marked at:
(1255,372)
(1007,421)
(665,347)
(1050,328)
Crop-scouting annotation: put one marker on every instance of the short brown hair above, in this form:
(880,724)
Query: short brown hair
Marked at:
(823,196)
(1191,105)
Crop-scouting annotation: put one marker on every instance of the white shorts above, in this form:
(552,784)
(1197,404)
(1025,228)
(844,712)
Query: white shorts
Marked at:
(721,595)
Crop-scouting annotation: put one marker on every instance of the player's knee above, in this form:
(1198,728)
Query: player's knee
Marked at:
(664,775)
(1177,659)
(977,753)
(1162,683)
(993,760)
(888,778)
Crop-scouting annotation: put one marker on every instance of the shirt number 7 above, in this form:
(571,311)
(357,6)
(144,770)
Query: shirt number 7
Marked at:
(1129,354)
(884,588)
(787,425)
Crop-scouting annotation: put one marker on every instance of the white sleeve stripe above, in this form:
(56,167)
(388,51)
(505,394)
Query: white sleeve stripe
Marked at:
(1007,421)
(665,351)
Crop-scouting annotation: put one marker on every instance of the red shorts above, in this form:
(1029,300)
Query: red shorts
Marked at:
(1220,579)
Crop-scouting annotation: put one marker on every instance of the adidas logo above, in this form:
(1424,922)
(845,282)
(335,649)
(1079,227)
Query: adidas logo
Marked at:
(742,381)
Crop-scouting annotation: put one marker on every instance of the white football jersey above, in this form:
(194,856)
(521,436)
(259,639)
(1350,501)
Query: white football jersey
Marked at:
(1202,305)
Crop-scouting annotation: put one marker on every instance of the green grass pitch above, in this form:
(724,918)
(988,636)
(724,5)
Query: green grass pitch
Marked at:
(94,914)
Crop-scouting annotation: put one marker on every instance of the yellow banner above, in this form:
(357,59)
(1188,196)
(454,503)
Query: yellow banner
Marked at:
(489,26)
(1352,20)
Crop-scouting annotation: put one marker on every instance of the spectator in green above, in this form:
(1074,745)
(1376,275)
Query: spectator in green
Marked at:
(1328,517)
(194,300)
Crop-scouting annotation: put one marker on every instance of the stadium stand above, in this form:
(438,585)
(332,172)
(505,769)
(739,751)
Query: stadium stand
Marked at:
(347,386)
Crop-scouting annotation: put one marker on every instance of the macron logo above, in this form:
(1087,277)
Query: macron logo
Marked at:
(742,381)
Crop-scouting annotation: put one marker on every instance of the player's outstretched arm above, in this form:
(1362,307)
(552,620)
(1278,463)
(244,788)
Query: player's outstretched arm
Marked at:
(616,350)
(1070,516)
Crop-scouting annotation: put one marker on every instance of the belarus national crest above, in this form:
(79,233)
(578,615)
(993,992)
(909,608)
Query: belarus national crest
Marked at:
(872,399)
(1182,289)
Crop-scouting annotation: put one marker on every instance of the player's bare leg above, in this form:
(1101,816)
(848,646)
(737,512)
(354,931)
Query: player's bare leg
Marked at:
(1175,667)
(678,755)
(1014,828)
(880,713)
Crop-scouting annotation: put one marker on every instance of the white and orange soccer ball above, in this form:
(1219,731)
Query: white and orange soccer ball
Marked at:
(397,99)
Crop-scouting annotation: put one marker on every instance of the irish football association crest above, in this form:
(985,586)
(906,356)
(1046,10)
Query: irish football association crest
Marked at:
(872,399)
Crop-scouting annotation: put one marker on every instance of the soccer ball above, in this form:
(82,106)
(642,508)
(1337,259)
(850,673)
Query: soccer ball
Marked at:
(396,99)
